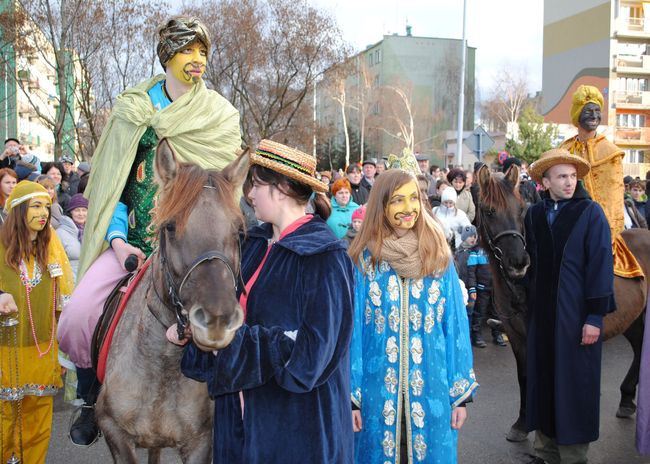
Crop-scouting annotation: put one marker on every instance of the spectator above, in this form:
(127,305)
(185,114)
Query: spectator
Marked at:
(633,219)
(56,172)
(56,211)
(359,192)
(441,185)
(325,177)
(464,202)
(342,208)
(474,270)
(452,218)
(84,175)
(627,180)
(71,229)
(8,181)
(637,191)
(381,166)
(72,177)
(369,170)
(357,222)
(527,188)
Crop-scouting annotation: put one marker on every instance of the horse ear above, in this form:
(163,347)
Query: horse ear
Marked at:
(237,170)
(483,177)
(165,164)
(512,175)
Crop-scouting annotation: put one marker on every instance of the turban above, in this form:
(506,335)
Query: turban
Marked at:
(177,34)
(585,94)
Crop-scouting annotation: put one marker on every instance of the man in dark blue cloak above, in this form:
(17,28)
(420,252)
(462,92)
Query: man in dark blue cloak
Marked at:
(571,289)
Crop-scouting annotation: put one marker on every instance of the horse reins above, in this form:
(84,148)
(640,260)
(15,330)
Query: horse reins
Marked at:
(174,291)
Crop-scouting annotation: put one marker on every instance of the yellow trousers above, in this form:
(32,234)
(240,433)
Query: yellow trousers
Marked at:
(36,413)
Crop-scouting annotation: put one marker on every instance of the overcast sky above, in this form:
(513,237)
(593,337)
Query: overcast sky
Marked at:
(506,33)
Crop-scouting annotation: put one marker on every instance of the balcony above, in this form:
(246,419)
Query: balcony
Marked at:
(632,136)
(633,28)
(630,64)
(631,100)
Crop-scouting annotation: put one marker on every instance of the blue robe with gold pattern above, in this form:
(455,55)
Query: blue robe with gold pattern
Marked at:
(411,354)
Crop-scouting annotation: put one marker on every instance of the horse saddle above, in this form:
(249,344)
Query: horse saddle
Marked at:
(107,323)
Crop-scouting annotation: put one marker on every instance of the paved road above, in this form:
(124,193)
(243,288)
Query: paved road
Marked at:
(490,416)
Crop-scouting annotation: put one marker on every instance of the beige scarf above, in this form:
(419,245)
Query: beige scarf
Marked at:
(403,254)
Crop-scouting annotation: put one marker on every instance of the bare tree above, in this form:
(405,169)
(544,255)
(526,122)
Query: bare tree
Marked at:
(508,94)
(266,57)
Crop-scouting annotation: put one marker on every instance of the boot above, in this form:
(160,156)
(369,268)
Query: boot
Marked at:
(85,431)
(477,341)
(498,340)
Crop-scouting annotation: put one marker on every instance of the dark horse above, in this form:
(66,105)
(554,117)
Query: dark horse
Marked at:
(145,401)
(501,227)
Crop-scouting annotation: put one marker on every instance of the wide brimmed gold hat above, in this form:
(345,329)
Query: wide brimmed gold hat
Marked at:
(557,156)
(289,161)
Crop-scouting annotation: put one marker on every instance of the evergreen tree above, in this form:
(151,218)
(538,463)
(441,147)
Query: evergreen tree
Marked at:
(534,136)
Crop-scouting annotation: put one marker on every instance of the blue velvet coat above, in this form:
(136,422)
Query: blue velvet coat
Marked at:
(296,394)
(411,355)
(571,282)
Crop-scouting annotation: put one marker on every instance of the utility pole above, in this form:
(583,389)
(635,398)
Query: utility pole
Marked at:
(461,95)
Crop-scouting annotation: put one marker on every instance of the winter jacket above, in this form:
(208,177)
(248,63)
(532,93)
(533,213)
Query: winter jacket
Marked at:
(466,203)
(341,217)
(359,193)
(453,221)
(473,268)
(69,235)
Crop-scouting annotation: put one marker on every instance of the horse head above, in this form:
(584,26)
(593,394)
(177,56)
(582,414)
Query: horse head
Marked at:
(198,224)
(501,221)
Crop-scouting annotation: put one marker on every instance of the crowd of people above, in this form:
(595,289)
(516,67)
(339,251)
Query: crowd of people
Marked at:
(363,292)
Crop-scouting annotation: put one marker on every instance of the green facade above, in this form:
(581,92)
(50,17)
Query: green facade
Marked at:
(8,86)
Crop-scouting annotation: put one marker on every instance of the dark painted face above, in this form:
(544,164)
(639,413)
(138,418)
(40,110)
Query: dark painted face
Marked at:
(590,117)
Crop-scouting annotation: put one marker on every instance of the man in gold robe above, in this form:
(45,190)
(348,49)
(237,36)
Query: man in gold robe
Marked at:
(605,179)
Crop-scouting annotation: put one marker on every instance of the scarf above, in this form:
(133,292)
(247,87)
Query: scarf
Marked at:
(201,126)
(403,255)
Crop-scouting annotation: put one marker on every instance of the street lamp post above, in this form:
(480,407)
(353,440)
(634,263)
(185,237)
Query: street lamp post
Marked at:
(461,94)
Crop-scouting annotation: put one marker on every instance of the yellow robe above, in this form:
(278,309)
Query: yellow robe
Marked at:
(24,374)
(605,186)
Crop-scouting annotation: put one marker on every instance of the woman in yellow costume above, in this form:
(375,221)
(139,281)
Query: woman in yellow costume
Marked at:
(605,179)
(35,278)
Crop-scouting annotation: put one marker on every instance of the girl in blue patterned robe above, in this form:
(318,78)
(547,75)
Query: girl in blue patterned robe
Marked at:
(411,354)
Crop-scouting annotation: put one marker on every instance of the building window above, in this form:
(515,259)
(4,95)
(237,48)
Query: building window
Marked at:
(370,58)
(630,120)
(377,56)
(633,156)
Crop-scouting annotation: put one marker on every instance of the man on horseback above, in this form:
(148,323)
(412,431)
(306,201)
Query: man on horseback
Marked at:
(201,126)
(571,289)
(604,182)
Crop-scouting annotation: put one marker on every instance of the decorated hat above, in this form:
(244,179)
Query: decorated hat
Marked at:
(291,162)
(178,33)
(24,191)
(583,95)
(406,162)
(557,156)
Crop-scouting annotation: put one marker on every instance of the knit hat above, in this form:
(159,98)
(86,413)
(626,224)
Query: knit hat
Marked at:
(24,191)
(557,156)
(177,34)
(585,94)
(76,201)
(66,159)
(467,232)
(83,167)
(448,194)
(291,162)
(359,213)
(509,162)
(627,180)
(342,183)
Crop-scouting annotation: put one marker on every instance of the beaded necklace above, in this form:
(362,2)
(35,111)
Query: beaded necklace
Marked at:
(29,285)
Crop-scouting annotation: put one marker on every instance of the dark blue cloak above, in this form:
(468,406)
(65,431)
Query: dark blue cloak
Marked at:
(296,394)
(571,283)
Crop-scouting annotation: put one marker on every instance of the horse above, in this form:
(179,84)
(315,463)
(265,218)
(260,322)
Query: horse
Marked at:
(145,400)
(500,224)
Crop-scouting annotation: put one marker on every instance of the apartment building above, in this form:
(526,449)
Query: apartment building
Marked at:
(605,44)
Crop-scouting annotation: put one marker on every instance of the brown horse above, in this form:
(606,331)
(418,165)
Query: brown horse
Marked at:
(145,401)
(501,227)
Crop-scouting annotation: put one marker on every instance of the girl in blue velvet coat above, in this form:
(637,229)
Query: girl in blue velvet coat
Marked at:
(282,387)
(411,356)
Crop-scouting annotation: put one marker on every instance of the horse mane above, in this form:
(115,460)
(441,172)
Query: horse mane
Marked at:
(179,198)
(497,191)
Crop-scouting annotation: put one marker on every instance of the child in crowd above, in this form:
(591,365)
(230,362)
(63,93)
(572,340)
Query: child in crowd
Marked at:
(357,220)
(474,270)
(452,218)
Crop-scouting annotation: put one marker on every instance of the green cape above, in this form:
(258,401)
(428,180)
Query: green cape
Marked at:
(201,126)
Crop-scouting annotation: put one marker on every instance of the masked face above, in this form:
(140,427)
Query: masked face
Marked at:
(403,208)
(188,65)
(590,117)
(37,213)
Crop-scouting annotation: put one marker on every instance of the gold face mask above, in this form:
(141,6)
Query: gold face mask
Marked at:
(37,213)
(188,65)
(403,208)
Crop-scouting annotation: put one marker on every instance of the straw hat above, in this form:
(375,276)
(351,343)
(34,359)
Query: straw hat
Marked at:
(557,156)
(288,161)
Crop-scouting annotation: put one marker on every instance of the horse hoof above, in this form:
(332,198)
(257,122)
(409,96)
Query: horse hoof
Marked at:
(516,435)
(625,412)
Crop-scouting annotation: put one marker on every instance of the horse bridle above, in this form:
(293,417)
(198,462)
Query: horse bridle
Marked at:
(174,291)
(492,242)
